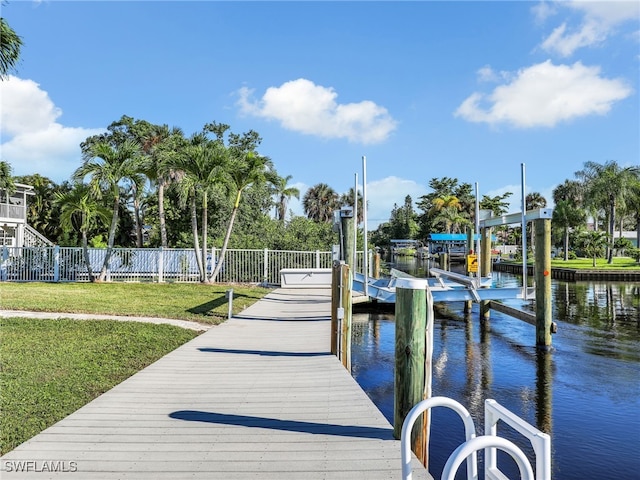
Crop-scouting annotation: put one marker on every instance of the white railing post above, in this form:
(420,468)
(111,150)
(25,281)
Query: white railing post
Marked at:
(56,263)
(317,258)
(160,265)
(265,270)
(540,441)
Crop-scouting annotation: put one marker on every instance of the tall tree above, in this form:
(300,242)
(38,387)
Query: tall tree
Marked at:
(496,204)
(10,45)
(202,165)
(111,168)
(42,213)
(161,146)
(80,210)
(443,188)
(283,194)
(246,168)
(319,203)
(609,185)
(568,212)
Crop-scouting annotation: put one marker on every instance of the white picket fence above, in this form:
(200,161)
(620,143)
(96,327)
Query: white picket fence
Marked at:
(66,264)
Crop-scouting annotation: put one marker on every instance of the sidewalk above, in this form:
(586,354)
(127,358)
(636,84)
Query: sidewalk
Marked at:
(257,397)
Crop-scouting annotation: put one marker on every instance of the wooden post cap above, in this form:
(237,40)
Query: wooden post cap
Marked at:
(412,283)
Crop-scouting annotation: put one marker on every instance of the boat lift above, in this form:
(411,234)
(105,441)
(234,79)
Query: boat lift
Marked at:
(445,287)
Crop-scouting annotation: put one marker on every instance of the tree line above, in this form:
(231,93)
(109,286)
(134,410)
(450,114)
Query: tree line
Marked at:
(602,199)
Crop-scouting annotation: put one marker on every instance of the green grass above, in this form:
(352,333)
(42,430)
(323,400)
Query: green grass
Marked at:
(619,263)
(196,302)
(50,368)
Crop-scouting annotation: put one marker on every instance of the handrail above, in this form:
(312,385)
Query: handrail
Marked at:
(412,416)
(470,447)
(540,441)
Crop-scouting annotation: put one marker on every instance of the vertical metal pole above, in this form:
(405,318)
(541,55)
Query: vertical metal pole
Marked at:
(365,268)
(355,226)
(477,232)
(160,265)
(230,298)
(524,232)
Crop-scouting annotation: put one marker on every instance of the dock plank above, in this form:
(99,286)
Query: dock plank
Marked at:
(258,397)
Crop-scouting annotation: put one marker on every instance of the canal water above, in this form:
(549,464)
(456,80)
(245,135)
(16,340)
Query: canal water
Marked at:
(585,393)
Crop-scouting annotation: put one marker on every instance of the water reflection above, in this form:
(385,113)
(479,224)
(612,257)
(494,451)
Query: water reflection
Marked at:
(585,393)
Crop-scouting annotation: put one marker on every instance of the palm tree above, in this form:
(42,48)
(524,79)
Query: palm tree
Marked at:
(566,216)
(283,194)
(319,203)
(608,186)
(451,218)
(161,146)
(533,201)
(447,209)
(110,168)
(80,209)
(202,165)
(245,169)
(346,199)
(594,243)
(10,44)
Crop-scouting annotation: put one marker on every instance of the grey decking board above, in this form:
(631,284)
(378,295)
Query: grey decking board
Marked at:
(255,397)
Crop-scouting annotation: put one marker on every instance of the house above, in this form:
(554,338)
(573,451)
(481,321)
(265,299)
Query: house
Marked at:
(14,231)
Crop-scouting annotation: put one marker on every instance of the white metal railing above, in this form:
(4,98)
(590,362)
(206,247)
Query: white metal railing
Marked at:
(489,442)
(67,264)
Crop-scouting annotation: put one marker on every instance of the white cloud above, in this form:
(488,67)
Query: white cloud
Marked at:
(544,95)
(543,10)
(36,142)
(302,106)
(383,194)
(599,21)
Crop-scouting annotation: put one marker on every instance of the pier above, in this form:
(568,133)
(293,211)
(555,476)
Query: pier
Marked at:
(259,396)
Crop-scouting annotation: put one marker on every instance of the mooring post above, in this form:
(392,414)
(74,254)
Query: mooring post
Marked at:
(470,234)
(376,265)
(485,267)
(414,341)
(348,236)
(544,319)
(346,280)
(335,305)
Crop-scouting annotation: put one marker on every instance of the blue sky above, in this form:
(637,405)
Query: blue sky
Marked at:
(469,90)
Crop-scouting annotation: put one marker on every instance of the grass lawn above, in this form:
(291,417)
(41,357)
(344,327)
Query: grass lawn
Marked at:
(619,263)
(50,368)
(195,302)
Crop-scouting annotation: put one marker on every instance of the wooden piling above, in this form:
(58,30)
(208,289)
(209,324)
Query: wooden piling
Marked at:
(468,304)
(346,281)
(413,345)
(542,259)
(485,267)
(376,265)
(335,303)
(348,235)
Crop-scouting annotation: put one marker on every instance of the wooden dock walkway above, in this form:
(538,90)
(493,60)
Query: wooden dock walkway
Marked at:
(258,397)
